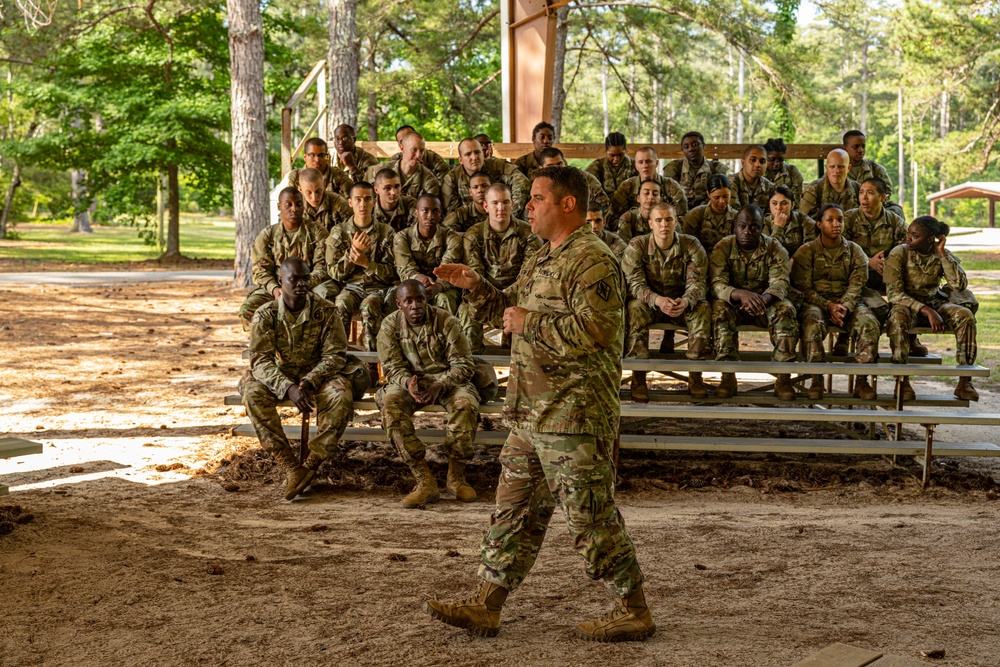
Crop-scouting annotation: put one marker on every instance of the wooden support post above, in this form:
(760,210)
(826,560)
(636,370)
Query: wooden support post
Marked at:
(286,141)
(928,447)
(993,212)
(899,404)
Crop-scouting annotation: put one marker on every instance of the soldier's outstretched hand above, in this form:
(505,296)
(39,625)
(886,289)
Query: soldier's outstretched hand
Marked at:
(458,275)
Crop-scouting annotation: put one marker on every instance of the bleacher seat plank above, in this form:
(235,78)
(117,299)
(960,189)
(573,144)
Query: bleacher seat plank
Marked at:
(840,655)
(11,447)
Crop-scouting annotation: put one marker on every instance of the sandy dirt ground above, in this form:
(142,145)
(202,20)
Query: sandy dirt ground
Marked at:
(146,535)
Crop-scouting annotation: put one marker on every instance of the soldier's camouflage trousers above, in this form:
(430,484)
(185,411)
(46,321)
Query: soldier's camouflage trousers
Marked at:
(448,300)
(639,317)
(461,405)
(334,408)
(260,296)
(958,318)
(779,320)
(537,471)
(861,324)
(473,328)
(373,305)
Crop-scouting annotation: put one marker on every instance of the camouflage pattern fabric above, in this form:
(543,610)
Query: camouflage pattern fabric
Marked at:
(799,230)
(874,236)
(363,160)
(611,177)
(613,241)
(626,197)
(415,255)
(528,163)
(791,178)
(694,181)
(399,218)
(437,164)
(335,180)
(632,224)
(455,186)
(819,193)
(332,211)
(743,193)
(421,181)
(708,226)
(464,217)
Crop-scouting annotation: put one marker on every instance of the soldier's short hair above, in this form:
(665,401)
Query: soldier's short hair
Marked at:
(289,191)
(775,145)
(746,151)
(465,140)
(483,138)
(827,207)
(549,153)
(697,135)
(405,127)
(567,182)
(784,191)
(410,136)
(345,126)
(594,207)
(754,210)
(542,126)
(653,181)
(364,185)
(411,284)
(664,204)
(385,173)
(717,181)
(931,225)
(427,195)
(880,185)
(499,186)
(480,174)
(614,139)
(852,133)
(648,149)
(311,176)
(314,141)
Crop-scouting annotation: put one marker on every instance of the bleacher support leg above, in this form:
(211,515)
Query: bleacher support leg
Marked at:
(899,403)
(928,447)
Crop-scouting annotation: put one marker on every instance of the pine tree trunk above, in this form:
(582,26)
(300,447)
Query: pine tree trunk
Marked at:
(173,213)
(8,204)
(558,70)
(78,191)
(372,94)
(343,63)
(249,135)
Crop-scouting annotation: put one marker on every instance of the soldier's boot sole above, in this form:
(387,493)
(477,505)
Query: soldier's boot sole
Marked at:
(297,481)
(479,613)
(917,349)
(637,636)
(629,621)
(458,622)
(418,498)
(966,391)
(726,388)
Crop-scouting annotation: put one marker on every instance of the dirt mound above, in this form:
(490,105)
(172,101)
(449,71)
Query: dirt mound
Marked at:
(12,516)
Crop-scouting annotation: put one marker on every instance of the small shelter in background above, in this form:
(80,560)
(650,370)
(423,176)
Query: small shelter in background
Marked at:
(970,190)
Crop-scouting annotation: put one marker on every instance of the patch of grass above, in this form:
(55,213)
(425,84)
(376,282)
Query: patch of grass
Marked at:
(202,237)
(980,260)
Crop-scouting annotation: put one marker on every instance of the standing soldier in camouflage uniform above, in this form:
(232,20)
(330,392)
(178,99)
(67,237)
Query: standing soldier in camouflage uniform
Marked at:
(626,196)
(710,222)
(323,209)
(297,349)
(437,164)
(750,186)
(465,216)
(595,218)
(455,187)
(862,168)
(415,177)
(495,250)
(317,156)
(553,157)
(542,136)
(615,167)
(785,225)
(565,313)
(749,276)
(834,188)
(359,256)
(636,221)
(352,158)
(913,276)
(426,361)
(780,173)
(693,171)
(288,238)
(421,248)
(667,277)
(831,272)
(392,208)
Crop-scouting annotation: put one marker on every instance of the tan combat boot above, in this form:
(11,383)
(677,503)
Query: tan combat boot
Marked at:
(629,621)
(297,477)
(479,614)
(726,388)
(908,393)
(841,346)
(783,388)
(696,387)
(426,490)
(816,388)
(638,389)
(863,390)
(457,484)
(965,390)
(917,349)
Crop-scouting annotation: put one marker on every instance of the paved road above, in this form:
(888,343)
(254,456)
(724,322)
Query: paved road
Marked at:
(92,278)
(971,238)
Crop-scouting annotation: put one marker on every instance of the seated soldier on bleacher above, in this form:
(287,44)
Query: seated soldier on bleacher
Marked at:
(711,222)
(595,217)
(297,352)
(485,143)
(352,158)
(781,173)
(359,257)
(392,208)
(463,217)
(290,237)
(543,136)
(615,167)
(913,274)
(437,164)
(317,156)
(693,171)
(834,188)
(862,168)
(636,221)
(426,361)
(877,230)
(785,224)
(422,247)
(831,272)
(495,249)
(626,197)
(749,279)
(416,178)
(323,209)
(553,157)
(667,277)
(749,185)
(455,186)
